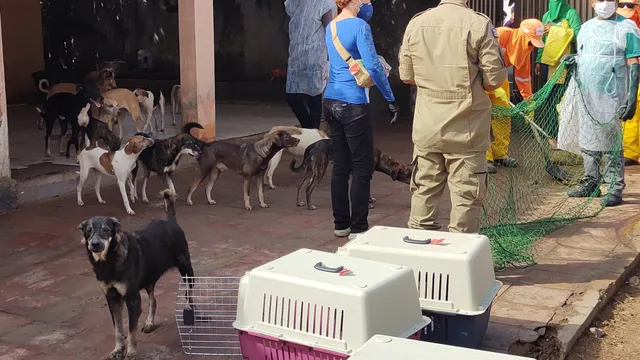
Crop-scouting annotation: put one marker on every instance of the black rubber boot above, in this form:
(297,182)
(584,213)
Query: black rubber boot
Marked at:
(491,167)
(585,191)
(611,200)
(507,162)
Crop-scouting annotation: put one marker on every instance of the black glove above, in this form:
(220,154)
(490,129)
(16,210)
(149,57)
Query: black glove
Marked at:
(569,60)
(632,92)
(393,112)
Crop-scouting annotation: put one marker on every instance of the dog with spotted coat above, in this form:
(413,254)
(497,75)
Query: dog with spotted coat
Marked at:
(118,164)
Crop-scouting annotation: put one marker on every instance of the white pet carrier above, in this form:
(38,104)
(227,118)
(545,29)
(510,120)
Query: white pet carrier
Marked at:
(453,274)
(385,348)
(325,304)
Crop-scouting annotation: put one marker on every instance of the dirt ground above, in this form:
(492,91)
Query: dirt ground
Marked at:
(620,322)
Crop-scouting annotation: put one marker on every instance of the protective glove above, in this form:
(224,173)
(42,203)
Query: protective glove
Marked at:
(629,110)
(393,112)
(569,60)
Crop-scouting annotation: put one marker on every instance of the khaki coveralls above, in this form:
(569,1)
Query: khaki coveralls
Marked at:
(450,52)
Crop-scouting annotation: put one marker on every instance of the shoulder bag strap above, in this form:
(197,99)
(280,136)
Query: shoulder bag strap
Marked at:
(336,42)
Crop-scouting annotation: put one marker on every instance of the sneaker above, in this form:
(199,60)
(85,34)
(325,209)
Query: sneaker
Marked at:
(611,201)
(584,192)
(342,233)
(507,162)
(491,167)
(630,162)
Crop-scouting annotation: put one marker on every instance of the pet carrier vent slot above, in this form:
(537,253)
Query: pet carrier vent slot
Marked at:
(298,315)
(433,286)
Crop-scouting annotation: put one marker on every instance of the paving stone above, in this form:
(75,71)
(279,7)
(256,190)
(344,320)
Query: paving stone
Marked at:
(500,336)
(520,315)
(554,280)
(535,296)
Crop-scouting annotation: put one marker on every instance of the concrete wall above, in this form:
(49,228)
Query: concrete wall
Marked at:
(23,50)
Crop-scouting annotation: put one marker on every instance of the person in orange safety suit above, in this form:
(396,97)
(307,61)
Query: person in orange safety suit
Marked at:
(631,138)
(517,45)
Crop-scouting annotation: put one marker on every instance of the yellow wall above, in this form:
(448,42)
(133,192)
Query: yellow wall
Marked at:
(23,49)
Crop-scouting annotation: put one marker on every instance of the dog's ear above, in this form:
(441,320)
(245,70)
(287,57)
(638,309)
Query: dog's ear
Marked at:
(83,227)
(117,228)
(280,138)
(394,174)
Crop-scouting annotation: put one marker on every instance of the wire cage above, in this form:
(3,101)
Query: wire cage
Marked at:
(205,323)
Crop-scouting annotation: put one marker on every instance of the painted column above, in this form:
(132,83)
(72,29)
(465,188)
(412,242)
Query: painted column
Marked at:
(8,193)
(5,168)
(197,69)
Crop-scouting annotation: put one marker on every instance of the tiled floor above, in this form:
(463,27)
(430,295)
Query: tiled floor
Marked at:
(51,307)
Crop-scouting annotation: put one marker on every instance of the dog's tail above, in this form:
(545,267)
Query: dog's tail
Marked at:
(170,197)
(41,85)
(305,162)
(187,130)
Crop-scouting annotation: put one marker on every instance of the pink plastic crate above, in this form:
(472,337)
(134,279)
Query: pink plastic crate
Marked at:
(262,347)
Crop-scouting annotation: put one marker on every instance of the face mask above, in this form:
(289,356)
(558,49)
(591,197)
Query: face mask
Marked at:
(366,12)
(605,9)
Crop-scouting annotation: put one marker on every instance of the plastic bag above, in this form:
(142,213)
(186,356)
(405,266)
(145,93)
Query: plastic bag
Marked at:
(559,38)
(387,70)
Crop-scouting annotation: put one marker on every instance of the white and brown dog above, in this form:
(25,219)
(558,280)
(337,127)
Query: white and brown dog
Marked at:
(176,102)
(149,102)
(117,100)
(117,164)
(306,137)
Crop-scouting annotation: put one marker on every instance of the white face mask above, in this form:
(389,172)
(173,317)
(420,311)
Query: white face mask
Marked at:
(605,9)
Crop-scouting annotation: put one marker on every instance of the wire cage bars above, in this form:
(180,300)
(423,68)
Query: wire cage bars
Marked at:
(205,311)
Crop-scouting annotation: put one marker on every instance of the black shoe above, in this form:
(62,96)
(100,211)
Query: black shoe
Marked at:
(630,162)
(507,162)
(491,167)
(584,192)
(611,200)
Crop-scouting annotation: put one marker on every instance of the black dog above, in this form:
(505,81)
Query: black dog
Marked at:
(66,108)
(125,263)
(317,157)
(163,157)
(97,130)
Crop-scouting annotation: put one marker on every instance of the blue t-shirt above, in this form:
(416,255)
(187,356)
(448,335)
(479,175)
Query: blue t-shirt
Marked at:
(355,35)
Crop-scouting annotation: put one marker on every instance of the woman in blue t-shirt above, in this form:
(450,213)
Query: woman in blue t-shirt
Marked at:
(347,112)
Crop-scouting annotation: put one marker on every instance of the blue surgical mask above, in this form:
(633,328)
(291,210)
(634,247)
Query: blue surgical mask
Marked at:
(366,11)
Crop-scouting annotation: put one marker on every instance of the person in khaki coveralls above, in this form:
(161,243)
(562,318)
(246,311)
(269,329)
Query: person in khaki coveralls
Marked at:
(451,53)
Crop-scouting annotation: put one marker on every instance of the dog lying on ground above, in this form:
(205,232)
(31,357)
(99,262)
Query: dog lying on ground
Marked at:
(248,160)
(126,262)
(163,156)
(92,130)
(148,103)
(103,79)
(112,163)
(65,108)
(306,137)
(317,158)
(117,100)
(176,101)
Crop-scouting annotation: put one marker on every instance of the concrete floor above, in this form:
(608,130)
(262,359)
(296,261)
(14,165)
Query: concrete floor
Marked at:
(26,143)
(52,308)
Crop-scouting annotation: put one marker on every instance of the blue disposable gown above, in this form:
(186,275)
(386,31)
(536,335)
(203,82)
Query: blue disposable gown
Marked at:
(600,91)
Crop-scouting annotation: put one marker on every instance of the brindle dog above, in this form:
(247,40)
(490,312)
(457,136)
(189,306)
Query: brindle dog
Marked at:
(317,157)
(248,160)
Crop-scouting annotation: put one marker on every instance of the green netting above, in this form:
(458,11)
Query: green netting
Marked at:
(529,201)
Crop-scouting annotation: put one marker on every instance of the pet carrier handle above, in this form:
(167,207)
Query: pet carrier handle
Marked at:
(409,240)
(320,266)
